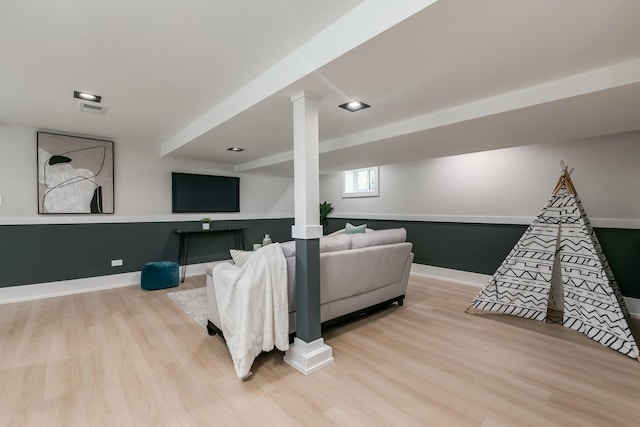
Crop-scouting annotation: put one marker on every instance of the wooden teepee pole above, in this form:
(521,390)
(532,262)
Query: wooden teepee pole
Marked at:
(565,179)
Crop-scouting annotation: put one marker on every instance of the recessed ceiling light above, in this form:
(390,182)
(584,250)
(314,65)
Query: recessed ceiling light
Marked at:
(87,96)
(235,149)
(355,105)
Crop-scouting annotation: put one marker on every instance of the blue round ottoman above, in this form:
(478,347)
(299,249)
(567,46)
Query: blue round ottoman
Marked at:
(160,275)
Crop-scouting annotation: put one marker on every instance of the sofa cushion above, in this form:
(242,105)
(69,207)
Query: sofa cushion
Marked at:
(340,242)
(355,229)
(288,248)
(378,237)
(341,231)
(240,257)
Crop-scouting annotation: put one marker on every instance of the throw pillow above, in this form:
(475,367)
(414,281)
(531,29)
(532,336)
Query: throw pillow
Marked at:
(353,229)
(341,231)
(336,233)
(288,248)
(335,243)
(380,237)
(240,257)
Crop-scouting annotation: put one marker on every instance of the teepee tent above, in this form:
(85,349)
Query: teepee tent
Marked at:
(558,264)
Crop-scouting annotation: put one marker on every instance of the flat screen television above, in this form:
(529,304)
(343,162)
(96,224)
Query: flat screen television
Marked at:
(204,193)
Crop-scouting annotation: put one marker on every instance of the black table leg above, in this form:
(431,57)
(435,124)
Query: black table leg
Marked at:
(185,240)
(238,237)
(183,254)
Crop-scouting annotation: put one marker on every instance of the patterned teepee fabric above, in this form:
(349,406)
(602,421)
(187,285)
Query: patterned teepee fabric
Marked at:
(591,300)
(593,303)
(521,285)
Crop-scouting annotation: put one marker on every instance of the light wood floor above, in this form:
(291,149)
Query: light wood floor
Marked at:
(128,357)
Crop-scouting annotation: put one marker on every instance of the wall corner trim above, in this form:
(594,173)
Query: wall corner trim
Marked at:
(625,223)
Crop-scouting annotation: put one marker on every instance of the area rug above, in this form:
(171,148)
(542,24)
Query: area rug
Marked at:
(193,302)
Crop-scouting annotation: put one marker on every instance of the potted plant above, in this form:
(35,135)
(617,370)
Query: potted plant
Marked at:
(325,210)
(205,220)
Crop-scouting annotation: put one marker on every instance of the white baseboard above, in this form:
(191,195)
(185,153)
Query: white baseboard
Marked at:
(633,304)
(69,287)
(450,275)
(479,280)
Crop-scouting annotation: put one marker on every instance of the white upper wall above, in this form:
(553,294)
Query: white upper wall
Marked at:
(505,186)
(501,186)
(142,185)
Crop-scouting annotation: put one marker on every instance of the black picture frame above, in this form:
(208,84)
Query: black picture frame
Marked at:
(75,174)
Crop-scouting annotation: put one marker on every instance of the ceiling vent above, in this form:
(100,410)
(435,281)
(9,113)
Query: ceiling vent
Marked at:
(91,107)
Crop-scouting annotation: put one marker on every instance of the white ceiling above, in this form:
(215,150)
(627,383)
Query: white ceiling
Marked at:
(443,77)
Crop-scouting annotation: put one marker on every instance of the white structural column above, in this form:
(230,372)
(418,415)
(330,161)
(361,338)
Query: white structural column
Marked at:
(306,167)
(308,352)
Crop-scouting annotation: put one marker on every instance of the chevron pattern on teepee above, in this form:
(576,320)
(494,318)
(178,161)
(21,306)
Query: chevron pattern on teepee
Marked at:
(591,300)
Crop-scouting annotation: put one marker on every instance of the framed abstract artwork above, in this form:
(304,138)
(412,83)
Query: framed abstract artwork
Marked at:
(75,175)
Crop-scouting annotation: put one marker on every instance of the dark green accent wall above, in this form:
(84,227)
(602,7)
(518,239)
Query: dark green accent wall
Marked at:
(622,249)
(51,252)
(481,248)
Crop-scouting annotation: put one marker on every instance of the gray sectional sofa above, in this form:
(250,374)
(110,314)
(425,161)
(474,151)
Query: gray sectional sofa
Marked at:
(357,272)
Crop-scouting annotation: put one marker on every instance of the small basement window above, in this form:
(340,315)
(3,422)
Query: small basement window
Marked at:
(361,182)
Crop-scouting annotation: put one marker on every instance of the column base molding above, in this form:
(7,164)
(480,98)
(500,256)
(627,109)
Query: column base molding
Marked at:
(308,357)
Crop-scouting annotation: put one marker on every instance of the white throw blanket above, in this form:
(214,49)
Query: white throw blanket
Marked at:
(253,306)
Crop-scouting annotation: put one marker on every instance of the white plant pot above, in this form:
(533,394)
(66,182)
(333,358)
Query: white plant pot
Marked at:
(205,225)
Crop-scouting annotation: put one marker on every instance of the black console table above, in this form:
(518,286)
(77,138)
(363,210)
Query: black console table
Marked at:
(185,238)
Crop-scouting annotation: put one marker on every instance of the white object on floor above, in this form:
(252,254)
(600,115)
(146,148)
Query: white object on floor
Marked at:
(309,357)
(253,305)
(558,264)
